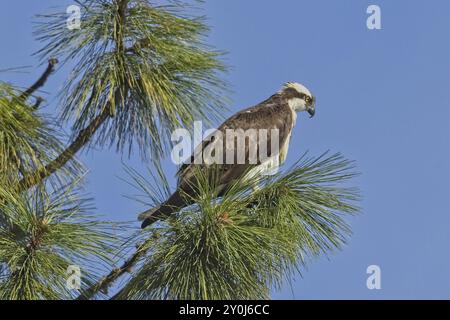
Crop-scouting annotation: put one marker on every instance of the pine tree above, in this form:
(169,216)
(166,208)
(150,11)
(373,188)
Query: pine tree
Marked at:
(141,71)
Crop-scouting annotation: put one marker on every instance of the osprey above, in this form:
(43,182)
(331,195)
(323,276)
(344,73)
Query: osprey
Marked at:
(279,112)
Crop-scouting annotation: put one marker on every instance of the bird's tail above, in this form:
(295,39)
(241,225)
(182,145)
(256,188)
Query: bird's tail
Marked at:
(148,214)
(151,216)
(172,205)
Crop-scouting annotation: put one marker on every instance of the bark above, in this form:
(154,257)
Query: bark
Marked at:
(106,282)
(83,138)
(41,81)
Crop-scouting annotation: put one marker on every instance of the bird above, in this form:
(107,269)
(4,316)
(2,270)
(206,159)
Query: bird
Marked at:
(278,112)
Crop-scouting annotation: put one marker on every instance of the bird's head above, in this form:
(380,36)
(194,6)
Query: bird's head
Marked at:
(299,98)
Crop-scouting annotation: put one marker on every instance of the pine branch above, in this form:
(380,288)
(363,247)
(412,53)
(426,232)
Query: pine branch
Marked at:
(41,81)
(115,274)
(58,232)
(38,103)
(83,138)
(246,242)
(157,50)
(28,142)
(86,134)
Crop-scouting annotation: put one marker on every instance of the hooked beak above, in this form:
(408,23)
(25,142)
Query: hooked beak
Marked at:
(312,111)
(312,107)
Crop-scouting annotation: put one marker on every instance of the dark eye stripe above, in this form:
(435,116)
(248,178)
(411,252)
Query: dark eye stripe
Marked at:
(305,97)
(292,93)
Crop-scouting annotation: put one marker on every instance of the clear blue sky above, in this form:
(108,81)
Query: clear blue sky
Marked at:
(382,99)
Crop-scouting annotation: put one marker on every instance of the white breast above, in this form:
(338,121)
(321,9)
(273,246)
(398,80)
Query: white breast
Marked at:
(284,149)
(271,165)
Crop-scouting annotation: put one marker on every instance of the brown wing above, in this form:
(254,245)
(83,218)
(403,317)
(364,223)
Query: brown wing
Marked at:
(273,113)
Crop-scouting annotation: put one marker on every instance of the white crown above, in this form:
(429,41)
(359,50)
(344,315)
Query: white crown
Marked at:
(297,86)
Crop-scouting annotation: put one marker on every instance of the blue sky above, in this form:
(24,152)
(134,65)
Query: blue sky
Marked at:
(382,100)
